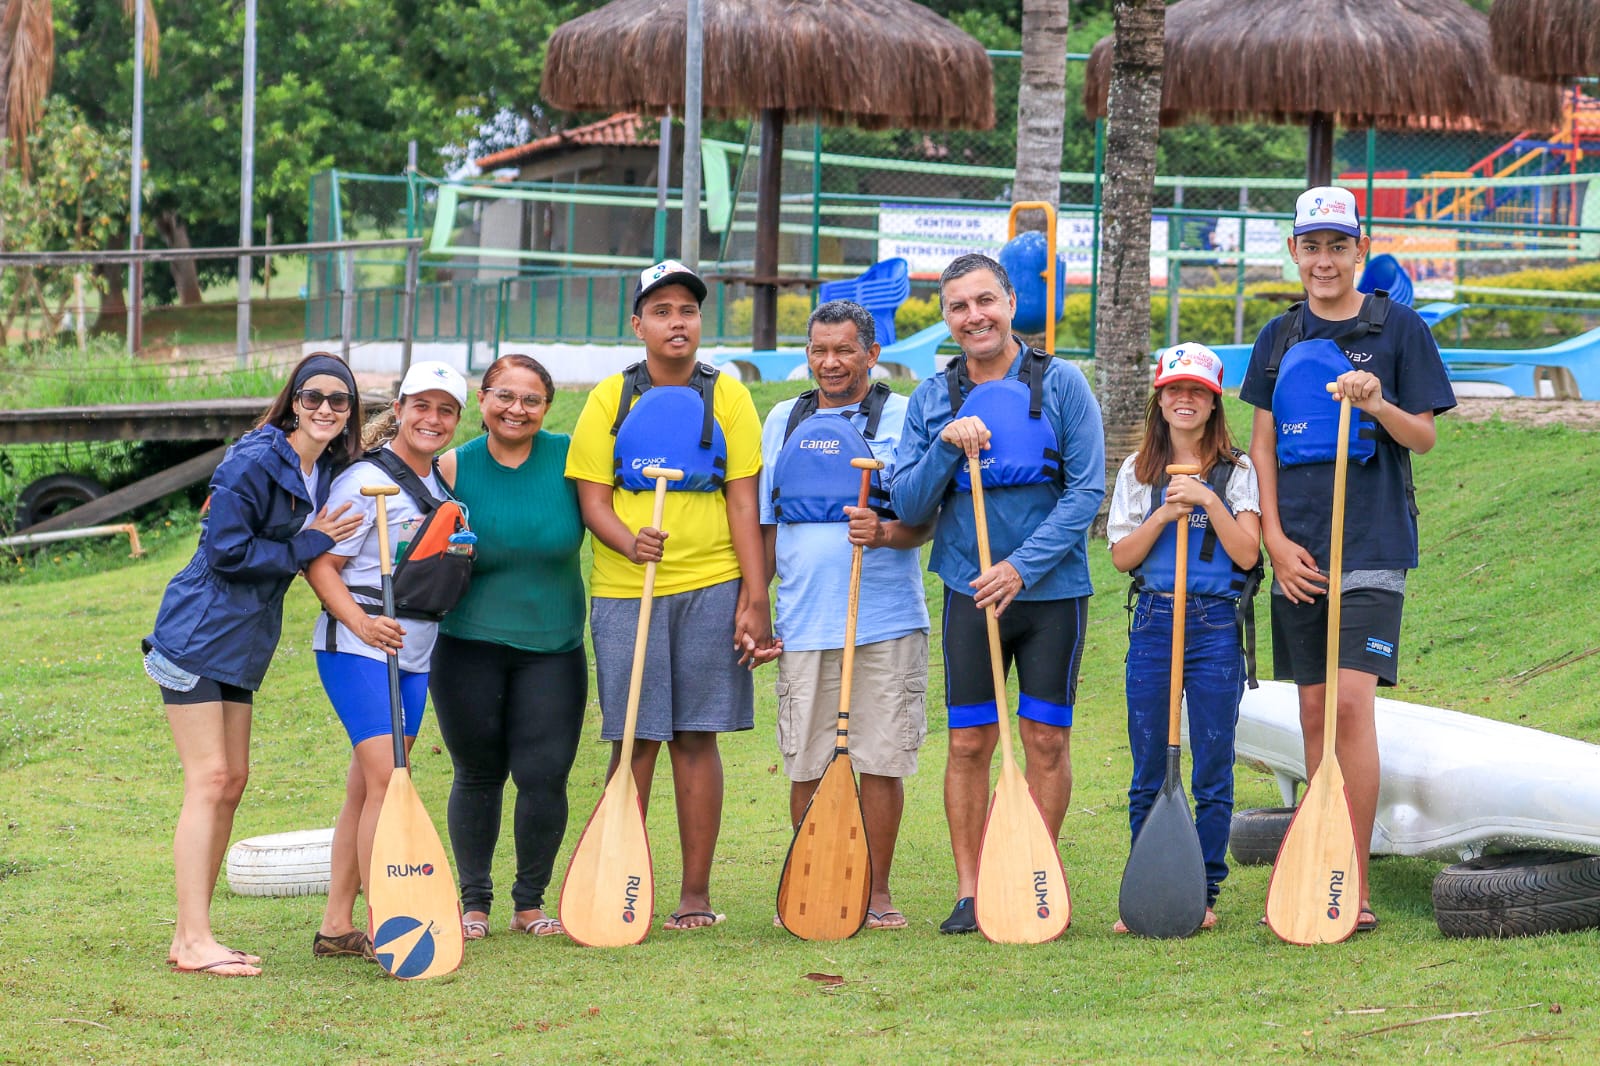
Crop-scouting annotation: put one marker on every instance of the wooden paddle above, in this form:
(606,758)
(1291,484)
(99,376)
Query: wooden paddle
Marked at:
(1022,888)
(1313,895)
(826,885)
(609,896)
(1164,883)
(412,906)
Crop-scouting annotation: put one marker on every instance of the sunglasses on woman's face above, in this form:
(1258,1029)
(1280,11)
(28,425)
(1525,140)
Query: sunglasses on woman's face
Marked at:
(312,399)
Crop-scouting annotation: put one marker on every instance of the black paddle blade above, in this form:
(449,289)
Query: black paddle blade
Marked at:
(1164,884)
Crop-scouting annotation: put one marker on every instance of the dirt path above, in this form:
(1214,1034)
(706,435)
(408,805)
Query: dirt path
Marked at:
(1579,414)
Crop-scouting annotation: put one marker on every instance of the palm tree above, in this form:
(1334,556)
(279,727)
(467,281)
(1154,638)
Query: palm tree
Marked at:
(1041,103)
(28,61)
(1122,316)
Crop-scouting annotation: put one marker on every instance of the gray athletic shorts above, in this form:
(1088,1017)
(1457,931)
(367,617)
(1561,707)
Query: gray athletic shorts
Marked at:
(693,682)
(888,707)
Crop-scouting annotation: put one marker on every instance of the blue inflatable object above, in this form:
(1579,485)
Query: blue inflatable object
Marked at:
(1024,257)
(1385,272)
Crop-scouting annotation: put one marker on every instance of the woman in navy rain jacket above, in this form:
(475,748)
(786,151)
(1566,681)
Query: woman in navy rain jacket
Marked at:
(219,622)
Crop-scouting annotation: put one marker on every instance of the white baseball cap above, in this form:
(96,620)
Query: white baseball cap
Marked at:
(667,272)
(432,374)
(1189,362)
(1327,207)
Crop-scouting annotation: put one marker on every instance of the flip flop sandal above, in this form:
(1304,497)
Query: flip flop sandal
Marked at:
(210,969)
(1367,921)
(674,921)
(474,928)
(541,927)
(889,919)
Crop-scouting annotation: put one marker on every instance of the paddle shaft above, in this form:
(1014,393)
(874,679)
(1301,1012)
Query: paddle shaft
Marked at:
(1180,606)
(397,723)
(1341,467)
(980,519)
(847,664)
(641,636)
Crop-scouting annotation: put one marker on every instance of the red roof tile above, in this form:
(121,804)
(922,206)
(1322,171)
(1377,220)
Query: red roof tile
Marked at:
(622,129)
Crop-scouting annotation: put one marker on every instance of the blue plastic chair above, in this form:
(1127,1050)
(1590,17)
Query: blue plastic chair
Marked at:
(1385,272)
(881,290)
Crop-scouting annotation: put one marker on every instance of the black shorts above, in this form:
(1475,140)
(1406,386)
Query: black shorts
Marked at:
(208,691)
(1045,637)
(1369,636)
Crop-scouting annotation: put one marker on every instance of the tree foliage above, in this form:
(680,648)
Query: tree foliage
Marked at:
(342,84)
(75,199)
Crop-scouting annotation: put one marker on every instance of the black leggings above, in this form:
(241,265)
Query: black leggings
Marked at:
(503,711)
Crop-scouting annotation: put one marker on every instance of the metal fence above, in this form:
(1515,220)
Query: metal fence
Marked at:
(1473,218)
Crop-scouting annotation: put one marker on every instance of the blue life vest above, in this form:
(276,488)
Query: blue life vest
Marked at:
(1306,416)
(1023,449)
(1211,573)
(671,426)
(812,479)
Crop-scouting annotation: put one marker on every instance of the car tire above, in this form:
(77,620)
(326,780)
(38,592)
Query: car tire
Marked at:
(54,493)
(282,864)
(1521,893)
(1257,834)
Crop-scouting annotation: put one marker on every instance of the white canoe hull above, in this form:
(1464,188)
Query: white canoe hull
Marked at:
(1453,785)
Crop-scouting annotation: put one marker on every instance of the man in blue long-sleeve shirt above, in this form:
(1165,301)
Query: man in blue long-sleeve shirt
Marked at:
(1036,428)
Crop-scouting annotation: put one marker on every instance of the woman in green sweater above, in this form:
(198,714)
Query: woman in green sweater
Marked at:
(509,678)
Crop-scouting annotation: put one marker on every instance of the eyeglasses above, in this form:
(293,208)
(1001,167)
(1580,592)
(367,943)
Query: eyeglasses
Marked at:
(312,399)
(531,401)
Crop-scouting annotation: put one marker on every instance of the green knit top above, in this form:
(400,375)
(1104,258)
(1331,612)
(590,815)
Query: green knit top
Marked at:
(527,587)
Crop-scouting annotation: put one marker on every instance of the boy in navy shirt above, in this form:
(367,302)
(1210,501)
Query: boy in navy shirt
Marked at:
(1397,381)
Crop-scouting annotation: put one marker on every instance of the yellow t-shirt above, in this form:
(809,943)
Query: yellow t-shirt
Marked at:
(699,549)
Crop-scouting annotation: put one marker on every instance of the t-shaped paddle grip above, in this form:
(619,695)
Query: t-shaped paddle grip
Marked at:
(1183,468)
(385,563)
(867,464)
(654,472)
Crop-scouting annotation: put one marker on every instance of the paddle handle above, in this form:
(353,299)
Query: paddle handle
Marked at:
(1180,608)
(980,519)
(641,637)
(847,664)
(1341,469)
(397,722)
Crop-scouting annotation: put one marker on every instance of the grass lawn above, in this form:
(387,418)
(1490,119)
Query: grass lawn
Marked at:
(89,790)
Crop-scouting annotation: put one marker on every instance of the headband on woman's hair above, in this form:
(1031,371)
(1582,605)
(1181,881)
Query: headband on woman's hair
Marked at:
(325,364)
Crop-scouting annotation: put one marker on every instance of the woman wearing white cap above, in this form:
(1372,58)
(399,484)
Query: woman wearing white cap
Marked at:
(1184,423)
(353,638)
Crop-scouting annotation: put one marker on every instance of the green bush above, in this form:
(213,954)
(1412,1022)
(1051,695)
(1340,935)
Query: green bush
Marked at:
(793,311)
(1532,325)
(917,313)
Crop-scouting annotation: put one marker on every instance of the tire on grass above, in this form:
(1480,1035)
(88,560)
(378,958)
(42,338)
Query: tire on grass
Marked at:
(1521,893)
(1257,834)
(282,864)
(53,494)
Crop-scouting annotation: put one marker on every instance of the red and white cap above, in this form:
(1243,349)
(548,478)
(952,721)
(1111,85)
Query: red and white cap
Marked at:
(1189,362)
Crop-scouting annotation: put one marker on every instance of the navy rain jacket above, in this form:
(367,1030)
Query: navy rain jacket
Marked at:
(222,614)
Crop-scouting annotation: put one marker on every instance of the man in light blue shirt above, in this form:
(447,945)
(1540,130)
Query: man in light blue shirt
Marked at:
(1035,426)
(808,493)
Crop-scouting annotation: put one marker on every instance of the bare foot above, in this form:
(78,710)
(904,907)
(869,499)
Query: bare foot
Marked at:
(211,957)
(244,956)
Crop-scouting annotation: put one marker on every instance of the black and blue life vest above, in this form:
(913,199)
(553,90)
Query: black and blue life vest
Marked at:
(671,426)
(1023,449)
(812,479)
(1210,572)
(1300,372)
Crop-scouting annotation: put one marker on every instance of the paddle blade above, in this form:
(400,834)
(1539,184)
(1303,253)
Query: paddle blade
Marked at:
(1164,883)
(1022,889)
(1312,897)
(414,914)
(609,896)
(826,883)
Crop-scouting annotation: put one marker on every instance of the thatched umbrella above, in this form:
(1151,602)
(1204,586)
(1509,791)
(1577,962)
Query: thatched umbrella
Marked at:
(1396,64)
(871,63)
(1546,40)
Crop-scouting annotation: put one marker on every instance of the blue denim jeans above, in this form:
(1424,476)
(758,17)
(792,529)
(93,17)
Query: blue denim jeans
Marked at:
(1213,682)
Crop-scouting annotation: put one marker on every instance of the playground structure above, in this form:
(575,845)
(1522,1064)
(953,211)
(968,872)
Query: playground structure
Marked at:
(1471,197)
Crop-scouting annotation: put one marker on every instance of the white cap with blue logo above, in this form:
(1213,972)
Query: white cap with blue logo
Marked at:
(1327,207)
(1189,362)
